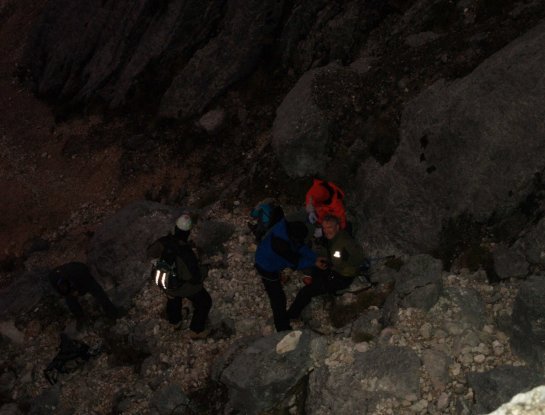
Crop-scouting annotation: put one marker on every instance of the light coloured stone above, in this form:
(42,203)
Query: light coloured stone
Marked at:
(529,403)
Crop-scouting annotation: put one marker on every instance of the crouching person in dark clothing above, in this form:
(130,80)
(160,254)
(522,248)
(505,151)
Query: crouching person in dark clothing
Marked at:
(178,274)
(73,280)
(283,247)
(344,258)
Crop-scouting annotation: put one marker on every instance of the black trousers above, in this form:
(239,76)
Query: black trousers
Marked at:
(202,303)
(277,298)
(323,282)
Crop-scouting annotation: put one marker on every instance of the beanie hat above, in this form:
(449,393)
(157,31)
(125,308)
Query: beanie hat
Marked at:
(184,222)
(297,231)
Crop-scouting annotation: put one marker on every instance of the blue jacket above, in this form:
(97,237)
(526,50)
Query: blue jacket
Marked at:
(277,252)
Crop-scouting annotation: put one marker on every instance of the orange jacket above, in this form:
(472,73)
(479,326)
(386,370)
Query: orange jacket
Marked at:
(327,199)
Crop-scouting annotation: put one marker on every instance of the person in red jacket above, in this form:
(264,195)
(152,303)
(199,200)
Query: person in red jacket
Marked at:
(325,198)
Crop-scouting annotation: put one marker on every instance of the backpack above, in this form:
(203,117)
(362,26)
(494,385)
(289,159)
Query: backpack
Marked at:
(267,215)
(164,272)
(72,355)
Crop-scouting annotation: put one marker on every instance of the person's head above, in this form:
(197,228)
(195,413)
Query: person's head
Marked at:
(297,231)
(183,227)
(331,225)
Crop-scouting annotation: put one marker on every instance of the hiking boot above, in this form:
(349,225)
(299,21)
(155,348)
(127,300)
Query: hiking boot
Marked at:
(198,336)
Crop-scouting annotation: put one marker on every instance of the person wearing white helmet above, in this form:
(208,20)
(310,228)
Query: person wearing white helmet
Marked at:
(184,279)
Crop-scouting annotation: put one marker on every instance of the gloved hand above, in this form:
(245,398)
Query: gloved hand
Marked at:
(318,233)
(312,218)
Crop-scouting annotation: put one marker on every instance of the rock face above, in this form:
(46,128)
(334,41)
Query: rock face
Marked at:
(101,49)
(528,336)
(189,50)
(225,59)
(455,138)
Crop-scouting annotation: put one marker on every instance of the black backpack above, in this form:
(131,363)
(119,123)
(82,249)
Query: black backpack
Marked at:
(72,355)
(164,271)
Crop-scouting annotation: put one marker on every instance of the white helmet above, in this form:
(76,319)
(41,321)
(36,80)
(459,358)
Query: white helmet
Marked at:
(184,222)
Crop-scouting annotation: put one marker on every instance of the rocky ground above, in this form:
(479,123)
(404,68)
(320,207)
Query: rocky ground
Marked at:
(62,177)
(122,381)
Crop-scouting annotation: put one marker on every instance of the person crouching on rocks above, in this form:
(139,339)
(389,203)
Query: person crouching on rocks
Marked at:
(73,280)
(283,247)
(178,274)
(344,257)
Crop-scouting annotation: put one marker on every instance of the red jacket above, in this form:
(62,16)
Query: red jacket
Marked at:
(327,199)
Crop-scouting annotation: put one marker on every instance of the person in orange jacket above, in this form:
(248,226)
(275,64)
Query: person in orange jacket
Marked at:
(325,198)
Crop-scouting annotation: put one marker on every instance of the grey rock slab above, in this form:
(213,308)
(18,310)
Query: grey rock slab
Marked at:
(532,244)
(171,400)
(495,387)
(436,363)
(24,293)
(509,262)
(259,377)
(301,129)
(384,372)
(419,284)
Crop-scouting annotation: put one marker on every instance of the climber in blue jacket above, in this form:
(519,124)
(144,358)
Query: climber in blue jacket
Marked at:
(283,247)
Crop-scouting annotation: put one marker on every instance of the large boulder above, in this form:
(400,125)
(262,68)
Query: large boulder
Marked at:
(171,400)
(532,244)
(24,293)
(528,332)
(458,310)
(268,371)
(419,284)
(497,386)
(457,156)
(117,254)
(301,129)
